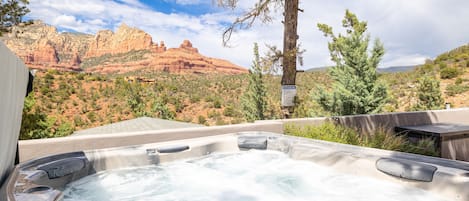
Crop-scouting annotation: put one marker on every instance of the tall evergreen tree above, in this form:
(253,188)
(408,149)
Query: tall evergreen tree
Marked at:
(356,89)
(11,13)
(254,101)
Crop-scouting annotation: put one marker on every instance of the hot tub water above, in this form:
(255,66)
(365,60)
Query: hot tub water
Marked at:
(244,176)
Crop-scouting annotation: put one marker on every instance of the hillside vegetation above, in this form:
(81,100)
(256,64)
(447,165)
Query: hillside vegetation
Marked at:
(63,102)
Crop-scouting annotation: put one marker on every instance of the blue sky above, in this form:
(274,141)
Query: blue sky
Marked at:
(411,31)
(194,8)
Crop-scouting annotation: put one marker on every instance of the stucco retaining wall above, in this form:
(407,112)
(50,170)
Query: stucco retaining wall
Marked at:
(369,123)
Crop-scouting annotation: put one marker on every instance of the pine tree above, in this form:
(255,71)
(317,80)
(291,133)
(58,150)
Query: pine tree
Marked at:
(11,14)
(254,102)
(356,89)
(429,94)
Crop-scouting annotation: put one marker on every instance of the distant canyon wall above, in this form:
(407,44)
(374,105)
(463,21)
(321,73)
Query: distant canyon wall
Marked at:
(128,49)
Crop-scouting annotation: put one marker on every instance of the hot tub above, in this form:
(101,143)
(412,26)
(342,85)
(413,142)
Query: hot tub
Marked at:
(254,166)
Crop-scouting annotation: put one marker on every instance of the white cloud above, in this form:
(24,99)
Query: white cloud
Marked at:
(410,30)
(404,60)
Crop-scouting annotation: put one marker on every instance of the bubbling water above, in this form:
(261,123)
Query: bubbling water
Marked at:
(244,176)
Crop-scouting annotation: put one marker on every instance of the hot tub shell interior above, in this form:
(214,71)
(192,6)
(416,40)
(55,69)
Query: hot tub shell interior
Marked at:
(45,178)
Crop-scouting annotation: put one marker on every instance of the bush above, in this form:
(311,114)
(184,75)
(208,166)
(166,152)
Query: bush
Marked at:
(423,146)
(91,116)
(328,132)
(236,121)
(380,139)
(81,76)
(443,66)
(201,119)
(229,111)
(213,114)
(219,121)
(64,129)
(217,103)
(428,94)
(78,121)
(425,69)
(454,89)
(35,124)
(458,81)
(194,98)
(449,73)
(48,76)
(162,110)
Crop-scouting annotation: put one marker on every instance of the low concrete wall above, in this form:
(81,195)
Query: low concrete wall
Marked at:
(13,83)
(369,123)
(37,148)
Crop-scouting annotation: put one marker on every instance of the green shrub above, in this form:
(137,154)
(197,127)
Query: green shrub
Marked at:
(81,76)
(458,81)
(185,118)
(35,124)
(201,119)
(449,73)
(64,129)
(428,94)
(194,98)
(467,63)
(219,121)
(427,68)
(443,66)
(217,103)
(213,114)
(380,139)
(454,89)
(328,132)
(91,116)
(179,106)
(209,98)
(78,121)
(229,111)
(423,147)
(48,76)
(162,110)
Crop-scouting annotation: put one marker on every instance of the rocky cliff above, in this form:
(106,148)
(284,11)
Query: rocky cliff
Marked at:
(128,49)
(124,40)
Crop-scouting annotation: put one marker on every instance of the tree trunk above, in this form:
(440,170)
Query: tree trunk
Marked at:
(289,42)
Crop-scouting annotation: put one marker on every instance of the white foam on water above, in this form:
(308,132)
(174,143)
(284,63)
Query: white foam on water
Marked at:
(245,176)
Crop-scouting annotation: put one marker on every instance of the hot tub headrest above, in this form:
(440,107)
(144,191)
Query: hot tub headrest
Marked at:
(172,148)
(252,142)
(62,167)
(406,169)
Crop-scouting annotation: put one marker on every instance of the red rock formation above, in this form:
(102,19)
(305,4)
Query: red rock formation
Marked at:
(186,59)
(28,58)
(124,40)
(42,47)
(75,60)
(158,48)
(45,53)
(187,45)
